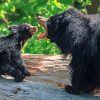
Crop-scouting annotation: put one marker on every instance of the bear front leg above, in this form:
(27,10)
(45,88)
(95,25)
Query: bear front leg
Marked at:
(19,63)
(79,81)
(17,74)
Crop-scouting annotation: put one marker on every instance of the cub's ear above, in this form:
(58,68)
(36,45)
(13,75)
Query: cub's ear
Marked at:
(13,28)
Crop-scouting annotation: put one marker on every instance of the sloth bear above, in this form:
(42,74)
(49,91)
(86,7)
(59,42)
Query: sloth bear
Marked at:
(77,34)
(11,62)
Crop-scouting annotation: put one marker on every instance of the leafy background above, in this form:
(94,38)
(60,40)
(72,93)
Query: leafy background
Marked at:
(23,11)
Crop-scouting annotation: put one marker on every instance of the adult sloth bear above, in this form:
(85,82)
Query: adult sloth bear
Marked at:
(77,34)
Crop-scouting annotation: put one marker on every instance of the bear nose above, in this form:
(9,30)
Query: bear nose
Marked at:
(35,28)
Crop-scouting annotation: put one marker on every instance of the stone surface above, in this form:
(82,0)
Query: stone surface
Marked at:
(49,75)
(10,90)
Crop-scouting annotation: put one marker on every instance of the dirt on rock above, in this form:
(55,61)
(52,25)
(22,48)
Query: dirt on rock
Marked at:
(47,68)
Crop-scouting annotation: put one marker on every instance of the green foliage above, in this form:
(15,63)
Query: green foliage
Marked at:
(23,11)
(81,4)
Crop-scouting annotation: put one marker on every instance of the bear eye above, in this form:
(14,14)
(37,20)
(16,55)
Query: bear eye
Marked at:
(27,27)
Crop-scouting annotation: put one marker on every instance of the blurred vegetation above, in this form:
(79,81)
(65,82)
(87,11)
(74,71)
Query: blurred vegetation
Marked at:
(23,11)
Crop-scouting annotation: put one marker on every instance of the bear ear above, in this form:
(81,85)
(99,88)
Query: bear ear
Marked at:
(9,27)
(13,28)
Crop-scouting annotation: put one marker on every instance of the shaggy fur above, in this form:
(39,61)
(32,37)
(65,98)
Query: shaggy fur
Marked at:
(11,62)
(79,35)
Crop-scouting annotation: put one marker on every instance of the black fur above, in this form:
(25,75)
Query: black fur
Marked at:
(11,62)
(79,35)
